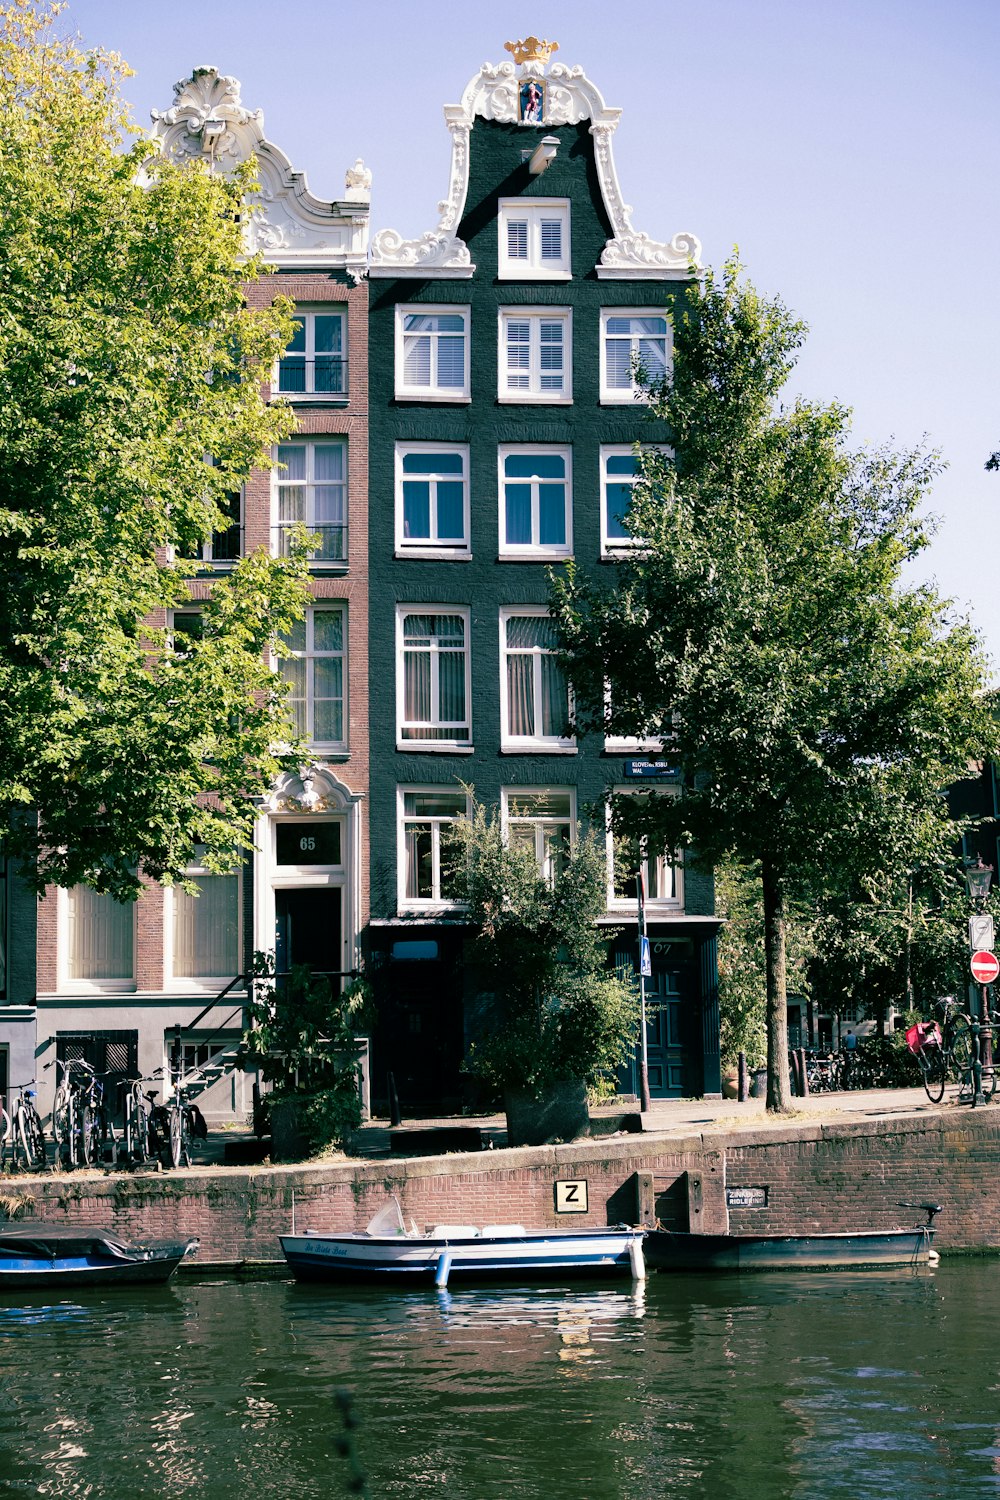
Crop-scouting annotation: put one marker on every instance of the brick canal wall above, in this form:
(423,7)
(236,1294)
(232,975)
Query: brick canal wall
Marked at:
(812,1177)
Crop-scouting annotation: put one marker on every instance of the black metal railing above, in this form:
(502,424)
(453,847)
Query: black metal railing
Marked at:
(324,376)
(332,541)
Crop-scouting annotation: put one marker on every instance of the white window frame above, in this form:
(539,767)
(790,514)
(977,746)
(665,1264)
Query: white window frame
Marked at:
(67,983)
(433,546)
(203,553)
(434,903)
(534,550)
(454,745)
(532,267)
(626,744)
(617,395)
(535,394)
(175,977)
(660,905)
(307,315)
(541,824)
(310,655)
(619,546)
(280,481)
(432,391)
(533,744)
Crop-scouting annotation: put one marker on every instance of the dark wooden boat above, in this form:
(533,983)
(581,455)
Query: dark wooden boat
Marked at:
(35,1254)
(848,1250)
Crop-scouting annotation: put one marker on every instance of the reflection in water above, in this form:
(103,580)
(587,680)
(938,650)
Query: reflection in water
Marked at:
(854,1385)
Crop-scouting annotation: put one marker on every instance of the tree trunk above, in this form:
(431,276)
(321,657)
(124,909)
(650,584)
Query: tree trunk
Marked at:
(778,1090)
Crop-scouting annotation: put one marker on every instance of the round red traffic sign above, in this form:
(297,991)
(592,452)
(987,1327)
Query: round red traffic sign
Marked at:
(985,967)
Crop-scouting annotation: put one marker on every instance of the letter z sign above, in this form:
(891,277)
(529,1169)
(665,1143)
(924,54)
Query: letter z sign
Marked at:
(571,1197)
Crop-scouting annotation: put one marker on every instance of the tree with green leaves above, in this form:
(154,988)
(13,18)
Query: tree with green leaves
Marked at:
(130,408)
(550,1010)
(816,703)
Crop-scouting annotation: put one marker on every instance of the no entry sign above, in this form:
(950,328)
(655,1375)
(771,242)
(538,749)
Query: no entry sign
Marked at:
(985,967)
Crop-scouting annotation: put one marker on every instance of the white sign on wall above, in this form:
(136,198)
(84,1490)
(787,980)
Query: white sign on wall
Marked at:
(571,1196)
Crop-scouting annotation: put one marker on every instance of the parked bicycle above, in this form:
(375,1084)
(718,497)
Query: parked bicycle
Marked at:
(184,1125)
(136,1145)
(947,1050)
(24,1138)
(76,1113)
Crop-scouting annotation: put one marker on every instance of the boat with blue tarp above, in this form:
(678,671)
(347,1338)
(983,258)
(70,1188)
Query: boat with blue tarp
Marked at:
(35,1254)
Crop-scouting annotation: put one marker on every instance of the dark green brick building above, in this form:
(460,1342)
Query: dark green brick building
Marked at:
(503,421)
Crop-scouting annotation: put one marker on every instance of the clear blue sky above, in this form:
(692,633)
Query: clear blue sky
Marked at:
(849,147)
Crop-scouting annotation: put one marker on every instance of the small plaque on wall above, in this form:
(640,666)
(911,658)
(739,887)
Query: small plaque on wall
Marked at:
(746,1197)
(571,1196)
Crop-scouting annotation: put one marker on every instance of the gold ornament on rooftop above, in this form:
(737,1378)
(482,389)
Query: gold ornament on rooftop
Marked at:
(531,49)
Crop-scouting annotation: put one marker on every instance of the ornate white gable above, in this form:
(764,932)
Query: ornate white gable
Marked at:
(208,122)
(562,96)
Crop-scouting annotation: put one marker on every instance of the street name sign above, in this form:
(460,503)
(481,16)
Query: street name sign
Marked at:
(651,770)
(985,967)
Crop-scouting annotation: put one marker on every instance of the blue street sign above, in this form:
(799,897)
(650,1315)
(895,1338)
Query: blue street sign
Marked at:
(645,965)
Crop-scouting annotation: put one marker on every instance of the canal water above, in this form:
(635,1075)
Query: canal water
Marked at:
(853,1385)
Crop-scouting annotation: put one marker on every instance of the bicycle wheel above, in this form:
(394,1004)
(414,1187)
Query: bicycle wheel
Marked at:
(187,1136)
(176,1144)
(61,1126)
(87,1135)
(934,1067)
(961,1048)
(6,1142)
(36,1142)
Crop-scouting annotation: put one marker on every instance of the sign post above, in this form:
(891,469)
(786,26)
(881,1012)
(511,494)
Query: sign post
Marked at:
(645,969)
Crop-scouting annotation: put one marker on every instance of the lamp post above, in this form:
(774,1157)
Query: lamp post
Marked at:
(978,877)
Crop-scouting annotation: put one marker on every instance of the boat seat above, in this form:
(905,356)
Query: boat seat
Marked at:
(503,1231)
(454,1232)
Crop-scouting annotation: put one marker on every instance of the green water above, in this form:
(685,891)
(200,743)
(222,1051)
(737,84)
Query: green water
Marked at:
(862,1384)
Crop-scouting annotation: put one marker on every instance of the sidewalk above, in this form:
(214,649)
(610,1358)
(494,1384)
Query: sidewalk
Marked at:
(667,1117)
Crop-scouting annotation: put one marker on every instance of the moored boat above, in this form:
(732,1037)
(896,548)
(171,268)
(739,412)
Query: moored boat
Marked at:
(391,1250)
(848,1250)
(36,1254)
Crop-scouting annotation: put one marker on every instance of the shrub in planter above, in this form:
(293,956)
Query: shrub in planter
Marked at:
(552,1020)
(304,1037)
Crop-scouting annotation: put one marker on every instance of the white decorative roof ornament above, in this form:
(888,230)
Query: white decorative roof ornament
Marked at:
(521,92)
(288,225)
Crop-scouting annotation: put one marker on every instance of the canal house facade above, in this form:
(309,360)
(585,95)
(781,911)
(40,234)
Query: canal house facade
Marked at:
(124,986)
(503,424)
(466,419)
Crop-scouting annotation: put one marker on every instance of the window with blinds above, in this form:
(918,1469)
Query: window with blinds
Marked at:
(534,239)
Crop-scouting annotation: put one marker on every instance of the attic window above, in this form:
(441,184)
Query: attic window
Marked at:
(534,239)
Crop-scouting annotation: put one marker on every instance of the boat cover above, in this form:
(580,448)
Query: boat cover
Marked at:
(54,1241)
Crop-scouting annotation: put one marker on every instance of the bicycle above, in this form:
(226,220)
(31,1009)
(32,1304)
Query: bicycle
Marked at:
(184,1123)
(75,1113)
(948,1050)
(137,1143)
(25,1139)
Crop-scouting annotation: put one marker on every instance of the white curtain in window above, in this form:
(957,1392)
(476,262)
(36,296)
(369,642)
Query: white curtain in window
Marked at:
(206,928)
(100,936)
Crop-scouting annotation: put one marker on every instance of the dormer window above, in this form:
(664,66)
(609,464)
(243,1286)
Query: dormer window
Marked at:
(534,239)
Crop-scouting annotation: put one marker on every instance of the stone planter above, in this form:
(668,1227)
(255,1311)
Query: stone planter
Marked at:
(561,1114)
(289,1139)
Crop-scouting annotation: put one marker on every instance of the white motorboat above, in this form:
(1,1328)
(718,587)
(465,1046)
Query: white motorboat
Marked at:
(392,1249)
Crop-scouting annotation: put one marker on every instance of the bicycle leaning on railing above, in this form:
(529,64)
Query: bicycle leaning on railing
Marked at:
(948,1050)
(23,1140)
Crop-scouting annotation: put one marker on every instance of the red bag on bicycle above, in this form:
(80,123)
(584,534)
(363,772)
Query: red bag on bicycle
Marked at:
(923,1034)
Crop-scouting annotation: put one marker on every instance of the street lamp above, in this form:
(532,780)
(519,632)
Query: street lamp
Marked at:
(978,877)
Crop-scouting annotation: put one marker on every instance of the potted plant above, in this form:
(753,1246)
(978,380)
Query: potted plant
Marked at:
(303,1034)
(549,1020)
